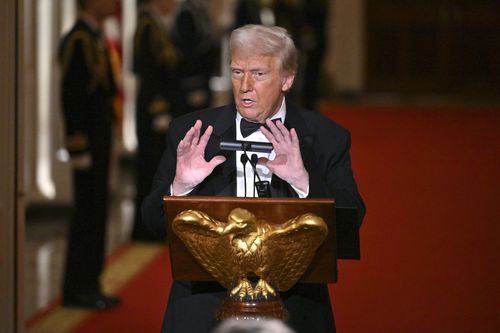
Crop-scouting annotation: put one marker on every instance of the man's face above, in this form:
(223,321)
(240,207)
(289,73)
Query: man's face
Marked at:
(105,8)
(258,86)
(166,6)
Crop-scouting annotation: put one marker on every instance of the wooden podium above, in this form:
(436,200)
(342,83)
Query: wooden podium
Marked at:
(323,268)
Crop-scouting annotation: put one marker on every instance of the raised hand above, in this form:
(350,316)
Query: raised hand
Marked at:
(287,164)
(191,167)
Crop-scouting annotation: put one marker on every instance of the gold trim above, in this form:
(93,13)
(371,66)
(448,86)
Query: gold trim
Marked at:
(159,105)
(85,38)
(77,141)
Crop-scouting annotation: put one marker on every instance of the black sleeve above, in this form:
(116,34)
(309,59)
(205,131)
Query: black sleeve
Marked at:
(75,90)
(337,180)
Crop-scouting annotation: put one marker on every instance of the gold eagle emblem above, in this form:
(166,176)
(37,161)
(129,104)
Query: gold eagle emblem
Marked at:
(246,247)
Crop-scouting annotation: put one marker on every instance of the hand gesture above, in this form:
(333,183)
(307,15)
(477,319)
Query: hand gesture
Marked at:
(191,167)
(288,163)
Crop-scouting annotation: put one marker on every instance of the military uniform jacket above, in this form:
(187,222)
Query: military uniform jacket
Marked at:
(194,36)
(155,64)
(87,86)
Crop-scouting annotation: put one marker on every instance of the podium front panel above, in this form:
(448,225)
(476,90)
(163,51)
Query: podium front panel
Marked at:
(323,268)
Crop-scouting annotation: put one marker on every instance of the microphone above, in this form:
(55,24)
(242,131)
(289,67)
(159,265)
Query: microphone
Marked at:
(244,160)
(258,147)
(263,189)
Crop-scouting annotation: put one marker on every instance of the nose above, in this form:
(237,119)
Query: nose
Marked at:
(246,82)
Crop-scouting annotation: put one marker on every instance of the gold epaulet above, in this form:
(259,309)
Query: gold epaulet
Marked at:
(167,53)
(158,105)
(78,36)
(76,142)
(143,23)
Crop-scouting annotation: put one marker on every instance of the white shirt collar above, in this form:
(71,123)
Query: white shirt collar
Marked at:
(280,114)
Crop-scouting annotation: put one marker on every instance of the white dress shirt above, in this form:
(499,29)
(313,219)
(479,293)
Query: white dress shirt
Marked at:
(263,172)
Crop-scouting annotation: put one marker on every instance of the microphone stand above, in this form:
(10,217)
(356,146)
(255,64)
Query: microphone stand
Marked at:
(244,160)
(263,187)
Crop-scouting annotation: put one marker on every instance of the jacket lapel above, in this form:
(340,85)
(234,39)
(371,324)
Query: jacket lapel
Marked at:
(222,181)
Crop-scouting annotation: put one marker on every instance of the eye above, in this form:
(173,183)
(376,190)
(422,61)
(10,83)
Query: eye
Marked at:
(236,72)
(259,75)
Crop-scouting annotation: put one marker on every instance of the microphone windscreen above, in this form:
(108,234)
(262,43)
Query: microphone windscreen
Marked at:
(254,159)
(233,145)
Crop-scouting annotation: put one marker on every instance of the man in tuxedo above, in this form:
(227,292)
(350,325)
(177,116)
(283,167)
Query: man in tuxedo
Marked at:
(310,159)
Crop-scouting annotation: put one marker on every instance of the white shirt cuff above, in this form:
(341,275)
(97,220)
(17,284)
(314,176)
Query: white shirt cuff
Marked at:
(178,195)
(301,194)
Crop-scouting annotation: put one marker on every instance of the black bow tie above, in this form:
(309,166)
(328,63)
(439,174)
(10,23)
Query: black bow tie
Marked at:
(248,127)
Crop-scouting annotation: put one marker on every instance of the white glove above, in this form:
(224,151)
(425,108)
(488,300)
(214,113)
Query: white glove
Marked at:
(197,98)
(81,162)
(161,122)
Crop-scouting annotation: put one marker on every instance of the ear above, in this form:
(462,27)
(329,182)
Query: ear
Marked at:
(287,81)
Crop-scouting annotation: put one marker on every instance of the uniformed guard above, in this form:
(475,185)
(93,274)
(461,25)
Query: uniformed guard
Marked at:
(195,37)
(314,44)
(156,66)
(87,90)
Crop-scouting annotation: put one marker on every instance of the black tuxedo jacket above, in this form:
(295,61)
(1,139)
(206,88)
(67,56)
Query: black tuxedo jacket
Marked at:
(325,151)
(324,147)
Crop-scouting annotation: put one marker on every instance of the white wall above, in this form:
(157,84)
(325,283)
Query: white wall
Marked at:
(46,176)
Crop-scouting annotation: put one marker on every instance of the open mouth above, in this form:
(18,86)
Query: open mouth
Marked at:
(247,102)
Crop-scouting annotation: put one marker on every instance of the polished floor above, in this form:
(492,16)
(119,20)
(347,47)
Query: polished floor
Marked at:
(45,244)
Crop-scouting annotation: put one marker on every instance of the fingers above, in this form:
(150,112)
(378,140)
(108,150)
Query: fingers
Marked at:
(270,135)
(263,161)
(283,131)
(277,133)
(192,137)
(188,138)
(196,133)
(278,130)
(205,137)
(215,161)
(295,138)
(267,163)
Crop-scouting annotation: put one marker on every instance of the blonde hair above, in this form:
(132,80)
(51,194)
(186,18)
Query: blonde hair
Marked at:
(252,39)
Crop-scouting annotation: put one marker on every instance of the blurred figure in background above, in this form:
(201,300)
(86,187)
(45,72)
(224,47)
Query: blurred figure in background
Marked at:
(289,14)
(253,12)
(156,65)
(195,38)
(87,90)
(314,39)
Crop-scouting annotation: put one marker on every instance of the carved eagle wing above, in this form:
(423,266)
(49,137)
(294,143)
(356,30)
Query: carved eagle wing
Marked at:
(202,236)
(291,247)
